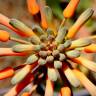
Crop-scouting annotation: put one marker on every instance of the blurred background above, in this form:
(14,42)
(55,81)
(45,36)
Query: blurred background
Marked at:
(18,9)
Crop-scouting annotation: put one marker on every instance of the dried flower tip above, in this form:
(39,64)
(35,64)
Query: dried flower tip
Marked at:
(31,59)
(52,75)
(49,59)
(43,53)
(55,53)
(7,72)
(90,49)
(79,23)
(57,64)
(62,57)
(71,77)
(87,83)
(21,74)
(4,36)
(41,61)
(73,53)
(80,43)
(33,6)
(70,9)
(38,30)
(49,88)
(61,35)
(65,91)
(85,62)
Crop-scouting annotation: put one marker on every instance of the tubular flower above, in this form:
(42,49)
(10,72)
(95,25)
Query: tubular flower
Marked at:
(33,6)
(50,50)
(69,11)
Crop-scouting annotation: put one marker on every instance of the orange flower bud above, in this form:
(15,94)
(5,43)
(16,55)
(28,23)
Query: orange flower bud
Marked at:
(7,72)
(69,10)
(4,36)
(44,23)
(33,7)
(90,49)
(65,91)
(26,94)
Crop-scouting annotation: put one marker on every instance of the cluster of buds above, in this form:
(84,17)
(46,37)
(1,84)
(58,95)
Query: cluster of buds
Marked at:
(51,52)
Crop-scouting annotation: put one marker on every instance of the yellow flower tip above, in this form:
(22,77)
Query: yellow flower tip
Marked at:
(71,77)
(80,43)
(4,36)
(90,49)
(65,91)
(70,9)
(26,94)
(86,83)
(33,7)
(85,62)
(7,72)
(49,88)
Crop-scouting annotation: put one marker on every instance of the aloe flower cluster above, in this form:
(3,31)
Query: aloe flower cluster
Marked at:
(51,51)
